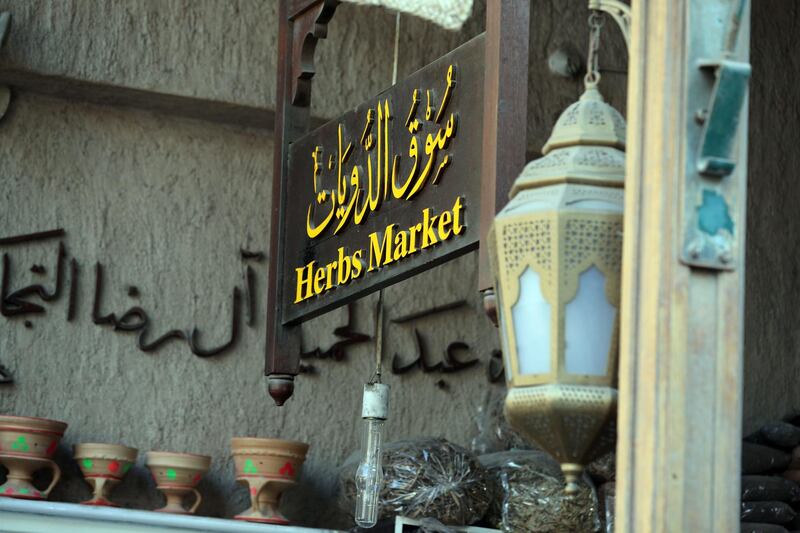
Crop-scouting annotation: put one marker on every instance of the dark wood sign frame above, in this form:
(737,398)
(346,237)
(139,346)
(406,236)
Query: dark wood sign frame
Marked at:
(301,24)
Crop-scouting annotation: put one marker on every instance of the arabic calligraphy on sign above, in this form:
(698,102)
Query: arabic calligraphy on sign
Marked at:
(357,192)
(388,189)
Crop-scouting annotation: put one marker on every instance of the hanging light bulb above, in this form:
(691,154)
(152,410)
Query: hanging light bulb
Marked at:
(374,410)
(374,405)
(369,476)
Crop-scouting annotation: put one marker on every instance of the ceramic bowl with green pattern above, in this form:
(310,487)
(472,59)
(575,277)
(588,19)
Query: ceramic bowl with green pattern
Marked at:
(103,466)
(176,475)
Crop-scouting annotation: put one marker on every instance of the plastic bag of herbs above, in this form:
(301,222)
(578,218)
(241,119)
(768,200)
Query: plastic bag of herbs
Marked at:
(424,478)
(528,489)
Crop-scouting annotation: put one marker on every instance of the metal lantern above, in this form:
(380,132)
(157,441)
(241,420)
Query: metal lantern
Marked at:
(556,252)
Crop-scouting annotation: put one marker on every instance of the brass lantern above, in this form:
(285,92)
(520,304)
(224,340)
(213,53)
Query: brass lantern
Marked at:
(556,252)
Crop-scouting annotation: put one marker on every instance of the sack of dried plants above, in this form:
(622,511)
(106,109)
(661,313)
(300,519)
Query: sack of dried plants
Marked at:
(424,478)
(528,495)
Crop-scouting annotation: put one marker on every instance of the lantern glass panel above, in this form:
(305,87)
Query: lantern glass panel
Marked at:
(589,326)
(531,320)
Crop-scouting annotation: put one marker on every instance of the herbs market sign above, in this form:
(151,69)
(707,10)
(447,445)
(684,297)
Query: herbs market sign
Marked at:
(387,190)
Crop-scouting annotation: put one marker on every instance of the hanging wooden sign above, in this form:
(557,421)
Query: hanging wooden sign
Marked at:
(386,190)
(405,181)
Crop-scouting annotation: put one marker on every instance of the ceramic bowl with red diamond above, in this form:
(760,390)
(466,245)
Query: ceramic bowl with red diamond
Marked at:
(103,466)
(267,467)
(176,475)
(27,444)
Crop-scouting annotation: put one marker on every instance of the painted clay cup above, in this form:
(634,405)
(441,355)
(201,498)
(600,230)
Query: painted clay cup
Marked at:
(268,467)
(176,475)
(26,445)
(103,466)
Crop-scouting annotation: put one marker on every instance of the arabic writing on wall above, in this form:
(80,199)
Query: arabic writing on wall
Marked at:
(22,302)
(448,362)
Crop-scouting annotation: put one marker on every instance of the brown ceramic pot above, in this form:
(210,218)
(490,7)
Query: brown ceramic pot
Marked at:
(176,475)
(26,445)
(267,467)
(103,466)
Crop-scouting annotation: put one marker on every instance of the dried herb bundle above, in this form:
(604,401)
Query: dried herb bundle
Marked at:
(425,478)
(530,498)
(604,468)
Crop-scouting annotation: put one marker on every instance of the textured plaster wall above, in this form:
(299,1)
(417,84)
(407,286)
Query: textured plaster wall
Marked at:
(772,332)
(355,62)
(212,49)
(165,204)
(225,50)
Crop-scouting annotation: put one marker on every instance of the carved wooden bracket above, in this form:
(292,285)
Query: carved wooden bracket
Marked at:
(309,25)
(301,24)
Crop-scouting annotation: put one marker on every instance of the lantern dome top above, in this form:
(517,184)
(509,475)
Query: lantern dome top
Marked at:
(592,165)
(590,120)
(586,147)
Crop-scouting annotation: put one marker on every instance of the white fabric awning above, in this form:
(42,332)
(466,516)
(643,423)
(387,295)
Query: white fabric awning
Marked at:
(450,14)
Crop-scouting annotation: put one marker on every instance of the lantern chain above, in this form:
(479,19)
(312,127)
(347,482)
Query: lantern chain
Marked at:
(396,47)
(376,378)
(596,21)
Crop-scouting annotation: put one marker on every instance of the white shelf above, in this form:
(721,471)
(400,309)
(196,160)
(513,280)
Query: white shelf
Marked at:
(24,516)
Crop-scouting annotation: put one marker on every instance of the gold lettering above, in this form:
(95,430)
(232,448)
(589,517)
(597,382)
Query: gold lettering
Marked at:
(329,278)
(384,248)
(367,141)
(457,226)
(445,219)
(344,214)
(313,231)
(413,230)
(361,212)
(433,143)
(341,181)
(400,245)
(380,254)
(352,199)
(443,165)
(451,82)
(413,153)
(373,203)
(428,235)
(316,155)
(357,265)
(412,123)
(428,109)
(319,279)
(386,118)
(343,268)
(303,282)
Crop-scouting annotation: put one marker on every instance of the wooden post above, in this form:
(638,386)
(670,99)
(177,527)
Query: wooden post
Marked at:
(680,401)
(505,113)
(301,24)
